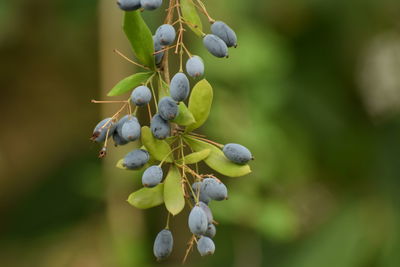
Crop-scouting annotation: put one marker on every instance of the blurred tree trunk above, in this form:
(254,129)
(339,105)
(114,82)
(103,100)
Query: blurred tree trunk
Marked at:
(125,233)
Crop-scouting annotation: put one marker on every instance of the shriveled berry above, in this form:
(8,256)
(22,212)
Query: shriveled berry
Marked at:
(197,221)
(224,32)
(215,45)
(205,246)
(211,230)
(129,5)
(179,87)
(195,67)
(160,127)
(100,131)
(131,129)
(237,153)
(136,159)
(163,244)
(152,176)
(167,108)
(141,95)
(215,189)
(150,4)
(165,34)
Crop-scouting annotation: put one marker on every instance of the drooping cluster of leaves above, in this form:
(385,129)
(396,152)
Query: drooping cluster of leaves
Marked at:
(169,140)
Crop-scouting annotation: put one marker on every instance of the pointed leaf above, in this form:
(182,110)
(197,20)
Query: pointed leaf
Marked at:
(190,14)
(140,37)
(217,160)
(120,164)
(200,103)
(173,192)
(146,198)
(195,157)
(185,117)
(158,149)
(129,83)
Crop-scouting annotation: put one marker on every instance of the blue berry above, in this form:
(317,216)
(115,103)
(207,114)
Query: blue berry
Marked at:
(165,34)
(224,32)
(163,244)
(237,153)
(211,230)
(195,67)
(198,190)
(131,129)
(215,189)
(141,95)
(100,131)
(136,159)
(159,127)
(205,246)
(152,176)
(151,4)
(167,108)
(129,5)
(197,221)
(215,45)
(179,87)
(157,47)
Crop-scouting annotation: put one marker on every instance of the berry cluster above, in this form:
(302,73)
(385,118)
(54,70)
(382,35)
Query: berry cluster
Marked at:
(169,145)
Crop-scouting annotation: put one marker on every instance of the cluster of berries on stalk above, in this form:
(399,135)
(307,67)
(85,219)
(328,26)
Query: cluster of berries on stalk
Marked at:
(171,151)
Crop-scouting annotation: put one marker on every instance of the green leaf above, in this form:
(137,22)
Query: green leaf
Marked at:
(140,37)
(185,117)
(120,164)
(173,192)
(129,83)
(217,160)
(195,157)
(146,198)
(200,103)
(190,14)
(158,149)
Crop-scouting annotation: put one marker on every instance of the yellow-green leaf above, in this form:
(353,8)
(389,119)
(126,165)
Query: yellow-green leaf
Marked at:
(120,164)
(185,117)
(173,192)
(129,83)
(195,157)
(146,198)
(217,160)
(190,14)
(158,149)
(140,37)
(200,102)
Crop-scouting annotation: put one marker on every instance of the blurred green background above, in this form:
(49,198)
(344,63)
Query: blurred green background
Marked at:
(313,89)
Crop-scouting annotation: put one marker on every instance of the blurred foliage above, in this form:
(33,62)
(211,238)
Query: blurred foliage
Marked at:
(323,191)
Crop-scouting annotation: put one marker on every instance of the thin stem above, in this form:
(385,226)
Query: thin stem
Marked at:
(149,110)
(166,156)
(167,224)
(203,9)
(186,50)
(130,60)
(190,247)
(107,102)
(154,96)
(168,20)
(206,140)
(164,49)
